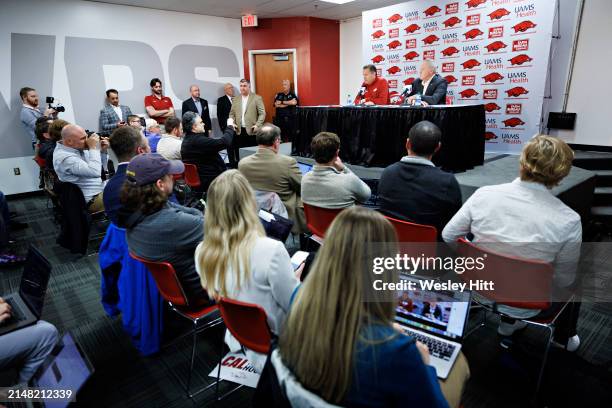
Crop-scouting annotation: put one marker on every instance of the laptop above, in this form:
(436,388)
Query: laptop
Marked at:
(435,318)
(27,304)
(66,368)
(304,167)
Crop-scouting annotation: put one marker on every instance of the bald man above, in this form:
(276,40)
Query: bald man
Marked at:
(199,106)
(224,105)
(80,160)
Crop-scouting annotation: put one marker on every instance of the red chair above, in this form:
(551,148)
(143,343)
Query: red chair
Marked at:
(319,219)
(411,232)
(521,283)
(192,178)
(202,317)
(248,323)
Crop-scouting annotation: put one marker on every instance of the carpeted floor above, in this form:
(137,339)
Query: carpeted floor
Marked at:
(123,378)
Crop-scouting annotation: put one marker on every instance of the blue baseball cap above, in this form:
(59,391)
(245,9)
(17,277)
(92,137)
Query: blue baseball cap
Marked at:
(147,168)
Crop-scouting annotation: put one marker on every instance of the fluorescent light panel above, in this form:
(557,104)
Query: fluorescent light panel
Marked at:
(337,1)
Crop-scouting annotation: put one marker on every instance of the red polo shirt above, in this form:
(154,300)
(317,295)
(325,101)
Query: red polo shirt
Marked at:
(158,104)
(377,92)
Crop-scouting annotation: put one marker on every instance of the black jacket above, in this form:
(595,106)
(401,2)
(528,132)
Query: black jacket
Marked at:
(419,193)
(203,151)
(436,91)
(45,151)
(189,106)
(224,106)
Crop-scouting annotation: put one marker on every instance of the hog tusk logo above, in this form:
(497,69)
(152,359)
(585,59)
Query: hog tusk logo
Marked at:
(492,77)
(473,33)
(408,81)
(378,34)
(471,63)
(513,122)
(495,46)
(523,26)
(475,3)
(498,14)
(490,136)
(520,59)
(393,70)
(432,10)
(395,18)
(451,22)
(450,79)
(411,55)
(447,52)
(412,28)
(517,91)
(430,39)
(394,44)
(491,106)
(378,59)
(468,93)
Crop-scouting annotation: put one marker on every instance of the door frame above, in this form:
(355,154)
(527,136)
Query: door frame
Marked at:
(252,54)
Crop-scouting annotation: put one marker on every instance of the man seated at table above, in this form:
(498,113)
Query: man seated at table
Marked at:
(431,86)
(374,90)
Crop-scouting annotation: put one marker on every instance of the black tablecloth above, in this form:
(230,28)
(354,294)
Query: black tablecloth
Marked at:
(376,136)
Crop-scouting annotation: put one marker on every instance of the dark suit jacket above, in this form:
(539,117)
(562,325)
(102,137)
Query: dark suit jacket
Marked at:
(435,93)
(189,106)
(224,106)
(419,193)
(112,192)
(203,151)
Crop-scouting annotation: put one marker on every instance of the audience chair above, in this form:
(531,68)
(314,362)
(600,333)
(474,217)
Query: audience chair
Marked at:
(201,317)
(520,283)
(319,219)
(248,323)
(411,236)
(192,178)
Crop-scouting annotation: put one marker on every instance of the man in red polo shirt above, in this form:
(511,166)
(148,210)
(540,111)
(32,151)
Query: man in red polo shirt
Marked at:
(158,107)
(374,90)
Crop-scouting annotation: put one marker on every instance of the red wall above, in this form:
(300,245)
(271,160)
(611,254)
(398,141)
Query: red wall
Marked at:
(317,42)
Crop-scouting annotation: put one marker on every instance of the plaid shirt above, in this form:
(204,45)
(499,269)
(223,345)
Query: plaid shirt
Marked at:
(108,118)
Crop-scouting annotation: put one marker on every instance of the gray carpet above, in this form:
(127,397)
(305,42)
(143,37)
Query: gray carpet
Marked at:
(123,378)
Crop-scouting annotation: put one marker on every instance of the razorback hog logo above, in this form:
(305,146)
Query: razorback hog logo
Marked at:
(411,55)
(432,10)
(408,81)
(393,70)
(517,91)
(495,46)
(468,93)
(412,28)
(451,22)
(491,106)
(520,59)
(473,33)
(523,26)
(447,52)
(492,77)
(490,136)
(395,18)
(430,39)
(450,79)
(378,59)
(471,63)
(498,14)
(394,44)
(475,3)
(513,122)
(378,34)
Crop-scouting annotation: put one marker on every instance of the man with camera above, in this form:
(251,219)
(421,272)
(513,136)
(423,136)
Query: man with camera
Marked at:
(30,111)
(80,158)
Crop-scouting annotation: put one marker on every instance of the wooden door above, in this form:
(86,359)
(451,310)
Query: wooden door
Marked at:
(269,74)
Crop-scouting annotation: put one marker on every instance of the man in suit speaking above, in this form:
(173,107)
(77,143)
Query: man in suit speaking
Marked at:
(431,86)
(198,105)
(246,116)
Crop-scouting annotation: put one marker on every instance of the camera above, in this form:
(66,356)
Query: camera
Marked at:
(58,108)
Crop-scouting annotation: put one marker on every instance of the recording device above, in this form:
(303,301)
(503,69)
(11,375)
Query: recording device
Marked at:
(143,122)
(58,108)
(407,90)
(361,91)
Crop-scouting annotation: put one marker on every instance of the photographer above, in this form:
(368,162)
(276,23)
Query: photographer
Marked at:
(80,158)
(30,112)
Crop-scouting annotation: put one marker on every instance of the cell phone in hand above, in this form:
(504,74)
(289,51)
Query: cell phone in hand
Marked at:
(298,258)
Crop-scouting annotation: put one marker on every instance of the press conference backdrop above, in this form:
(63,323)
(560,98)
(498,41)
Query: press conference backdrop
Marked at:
(491,52)
(75,50)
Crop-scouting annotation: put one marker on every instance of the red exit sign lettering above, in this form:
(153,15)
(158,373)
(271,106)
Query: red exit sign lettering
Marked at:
(249,20)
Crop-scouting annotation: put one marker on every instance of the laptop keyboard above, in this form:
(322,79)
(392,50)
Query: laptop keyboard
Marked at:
(437,348)
(17,314)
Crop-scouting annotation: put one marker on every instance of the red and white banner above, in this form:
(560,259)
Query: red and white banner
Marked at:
(491,52)
(236,367)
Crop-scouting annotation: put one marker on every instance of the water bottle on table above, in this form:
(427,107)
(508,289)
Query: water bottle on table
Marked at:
(417,100)
(349,100)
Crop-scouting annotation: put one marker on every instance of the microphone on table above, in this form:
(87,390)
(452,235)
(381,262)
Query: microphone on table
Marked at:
(407,90)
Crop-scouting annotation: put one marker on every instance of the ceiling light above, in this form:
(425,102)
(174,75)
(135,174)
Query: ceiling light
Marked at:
(337,1)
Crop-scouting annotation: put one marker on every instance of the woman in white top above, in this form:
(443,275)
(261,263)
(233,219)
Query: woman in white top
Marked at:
(236,260)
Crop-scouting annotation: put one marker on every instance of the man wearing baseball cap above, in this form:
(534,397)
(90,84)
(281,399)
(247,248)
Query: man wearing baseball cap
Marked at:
(158,229)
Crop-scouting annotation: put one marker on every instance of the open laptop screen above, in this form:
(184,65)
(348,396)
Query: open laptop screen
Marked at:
(441,313)
(304,168)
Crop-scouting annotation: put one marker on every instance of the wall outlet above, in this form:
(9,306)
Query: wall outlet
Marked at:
(17,171)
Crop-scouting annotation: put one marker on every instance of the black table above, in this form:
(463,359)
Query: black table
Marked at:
(376,136)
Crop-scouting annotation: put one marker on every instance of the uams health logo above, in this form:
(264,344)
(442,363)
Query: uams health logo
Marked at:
(527,10)
(431,26)
(518,77)
(511,138)
(394,58)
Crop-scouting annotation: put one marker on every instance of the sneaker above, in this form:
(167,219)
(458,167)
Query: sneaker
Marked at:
(507,329)
(572,344)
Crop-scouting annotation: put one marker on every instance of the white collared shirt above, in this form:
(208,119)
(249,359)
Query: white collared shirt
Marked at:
(426,84)
(245,99)
(117,110)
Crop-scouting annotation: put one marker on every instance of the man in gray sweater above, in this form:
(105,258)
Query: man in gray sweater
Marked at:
(30,111)
(331,184)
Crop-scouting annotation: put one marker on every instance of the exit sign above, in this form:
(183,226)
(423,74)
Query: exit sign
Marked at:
(249,20)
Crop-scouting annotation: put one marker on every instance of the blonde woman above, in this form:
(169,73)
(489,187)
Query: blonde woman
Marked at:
(340,344)
(236,259)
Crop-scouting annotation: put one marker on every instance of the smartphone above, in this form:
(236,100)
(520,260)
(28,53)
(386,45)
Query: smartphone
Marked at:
(143,123)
